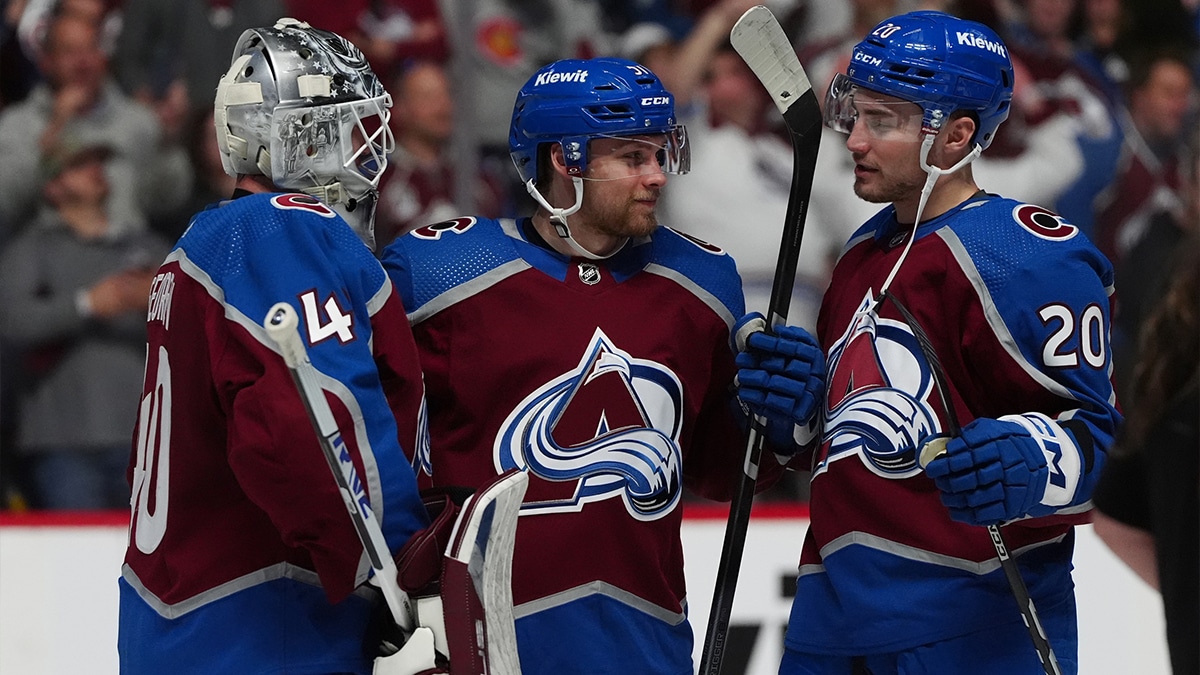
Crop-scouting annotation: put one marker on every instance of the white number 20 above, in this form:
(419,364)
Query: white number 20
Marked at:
(1092,337)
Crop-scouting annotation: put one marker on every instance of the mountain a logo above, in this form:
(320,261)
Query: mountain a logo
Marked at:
(611,425)
(551,76)
(877,404)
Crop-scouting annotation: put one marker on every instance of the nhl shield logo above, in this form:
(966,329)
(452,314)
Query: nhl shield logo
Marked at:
(589,274)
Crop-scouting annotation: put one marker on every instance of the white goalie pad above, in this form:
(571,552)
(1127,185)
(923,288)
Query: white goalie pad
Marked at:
(462,591)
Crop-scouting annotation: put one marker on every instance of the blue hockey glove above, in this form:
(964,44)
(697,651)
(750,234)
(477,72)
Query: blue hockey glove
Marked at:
(997,470)
(780,376)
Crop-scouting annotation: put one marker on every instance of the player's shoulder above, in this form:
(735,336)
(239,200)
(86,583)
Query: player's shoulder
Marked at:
(1003,235)
(249,218)
(274,228)
(486,242)
(700,264)
(1026,230)
(433,259)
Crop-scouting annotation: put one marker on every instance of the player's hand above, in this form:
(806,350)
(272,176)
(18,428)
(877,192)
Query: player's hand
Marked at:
(995,471)
(780,376)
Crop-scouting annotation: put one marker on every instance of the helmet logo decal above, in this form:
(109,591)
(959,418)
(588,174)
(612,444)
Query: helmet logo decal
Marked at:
(878,397)
(607,429)
(980,42)
(656,100)
(867,58)
(550,77)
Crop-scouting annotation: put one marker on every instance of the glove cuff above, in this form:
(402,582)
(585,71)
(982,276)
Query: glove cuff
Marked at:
(1061,455)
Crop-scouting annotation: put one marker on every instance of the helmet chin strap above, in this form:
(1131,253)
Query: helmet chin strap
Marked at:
(558,217)
(933,173)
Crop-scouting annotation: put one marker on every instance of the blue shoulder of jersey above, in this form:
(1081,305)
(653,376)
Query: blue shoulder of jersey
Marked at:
(431,260)
(264,248)
(1004,237)
(705,265)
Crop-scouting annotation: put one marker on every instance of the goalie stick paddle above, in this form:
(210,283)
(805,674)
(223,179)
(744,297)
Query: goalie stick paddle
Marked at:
(282,326)
(766,49)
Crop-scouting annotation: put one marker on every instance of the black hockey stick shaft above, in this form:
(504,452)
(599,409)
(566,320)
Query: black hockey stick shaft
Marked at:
(282,326)
(936,447)
(761,42)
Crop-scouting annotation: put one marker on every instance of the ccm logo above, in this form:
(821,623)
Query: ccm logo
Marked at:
(656,100)
(867,59)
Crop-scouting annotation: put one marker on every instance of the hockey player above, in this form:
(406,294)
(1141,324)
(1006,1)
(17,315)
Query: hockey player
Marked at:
(897,574)
(590,347)
(241,555)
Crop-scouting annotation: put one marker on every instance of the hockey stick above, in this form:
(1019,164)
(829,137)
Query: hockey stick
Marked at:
(934,448)
(762,44)
(282,326)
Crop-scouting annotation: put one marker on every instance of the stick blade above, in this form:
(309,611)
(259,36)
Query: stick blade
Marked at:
(763,45)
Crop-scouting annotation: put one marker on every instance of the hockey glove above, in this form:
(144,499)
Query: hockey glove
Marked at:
(780,376)
(998,470)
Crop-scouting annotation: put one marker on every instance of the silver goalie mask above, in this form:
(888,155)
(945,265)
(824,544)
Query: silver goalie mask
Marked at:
(302,107)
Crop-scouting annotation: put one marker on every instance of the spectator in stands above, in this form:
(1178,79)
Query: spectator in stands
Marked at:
(73,296)
(1041,41)
(1142,217)
(171,53)
(211,183)
(420,186)
(389,32)
(1161,96)
(148,172)
(502,43)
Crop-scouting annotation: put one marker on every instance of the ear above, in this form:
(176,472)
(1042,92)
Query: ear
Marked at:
(557,159)
(958,134)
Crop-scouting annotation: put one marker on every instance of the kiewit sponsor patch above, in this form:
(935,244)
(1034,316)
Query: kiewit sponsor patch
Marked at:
(551,76)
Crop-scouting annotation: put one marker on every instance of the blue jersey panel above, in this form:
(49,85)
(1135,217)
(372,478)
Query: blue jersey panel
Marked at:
(267,248)
(558,640)
(245,633)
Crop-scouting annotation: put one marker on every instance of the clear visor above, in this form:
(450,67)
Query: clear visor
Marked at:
(847,105)
(344,142)
(645,154)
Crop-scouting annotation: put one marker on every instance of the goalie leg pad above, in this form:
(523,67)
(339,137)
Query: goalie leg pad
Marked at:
(458,572)
(477,580)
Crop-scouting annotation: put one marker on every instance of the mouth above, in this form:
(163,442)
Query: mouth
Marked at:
(862,171)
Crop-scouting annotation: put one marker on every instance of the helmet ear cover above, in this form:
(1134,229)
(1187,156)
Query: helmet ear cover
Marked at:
(940,62)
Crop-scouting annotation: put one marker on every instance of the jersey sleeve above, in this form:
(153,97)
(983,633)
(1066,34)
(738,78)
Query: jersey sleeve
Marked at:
(295,252)
(1045,295)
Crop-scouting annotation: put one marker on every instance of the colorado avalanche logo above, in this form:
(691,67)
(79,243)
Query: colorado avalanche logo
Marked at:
(877,405)
(612,424)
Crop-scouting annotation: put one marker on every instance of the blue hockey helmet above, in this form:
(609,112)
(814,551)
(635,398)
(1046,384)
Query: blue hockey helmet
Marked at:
(940,62)
(575,100)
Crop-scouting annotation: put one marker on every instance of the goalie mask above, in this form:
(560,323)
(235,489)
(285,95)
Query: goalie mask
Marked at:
(940,62)
(302,107)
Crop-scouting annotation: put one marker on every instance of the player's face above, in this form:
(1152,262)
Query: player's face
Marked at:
(885,143)
(623,182)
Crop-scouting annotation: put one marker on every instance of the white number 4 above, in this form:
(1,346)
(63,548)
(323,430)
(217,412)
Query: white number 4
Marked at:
(339,323)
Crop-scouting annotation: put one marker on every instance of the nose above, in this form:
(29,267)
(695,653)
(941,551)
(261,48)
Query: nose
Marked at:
(655,177)
(857,141)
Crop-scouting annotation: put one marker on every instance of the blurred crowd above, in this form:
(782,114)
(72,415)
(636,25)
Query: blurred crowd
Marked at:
(107,148)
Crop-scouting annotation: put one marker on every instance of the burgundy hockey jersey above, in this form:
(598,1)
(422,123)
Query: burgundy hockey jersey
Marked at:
(242,557)
(1016,305)
(610,382)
